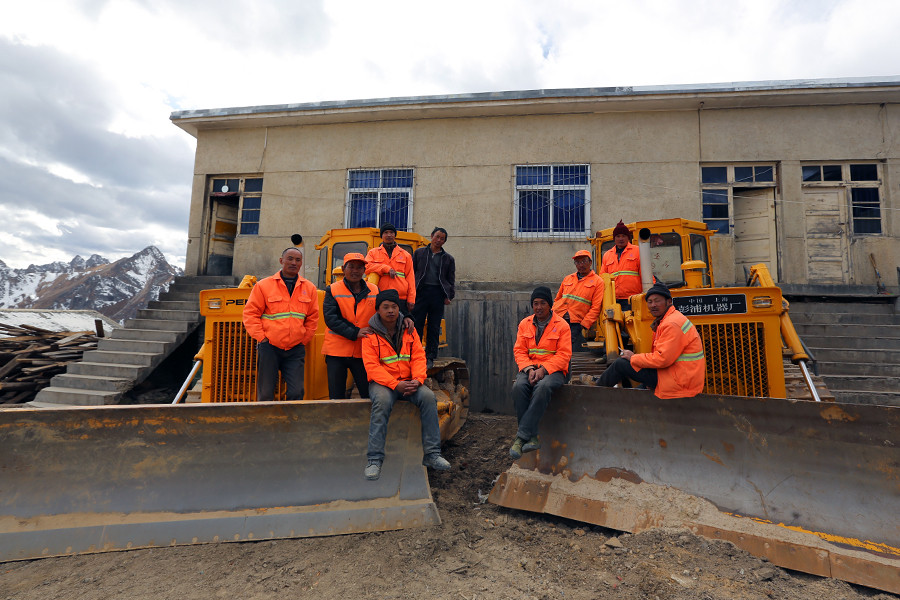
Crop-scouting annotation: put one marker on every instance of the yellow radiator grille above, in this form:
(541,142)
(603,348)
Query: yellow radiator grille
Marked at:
(234,365)
(735,359)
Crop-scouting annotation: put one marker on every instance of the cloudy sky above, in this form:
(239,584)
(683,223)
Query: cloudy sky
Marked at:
(90,163)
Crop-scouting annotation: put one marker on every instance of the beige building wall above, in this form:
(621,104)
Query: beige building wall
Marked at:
(644,165)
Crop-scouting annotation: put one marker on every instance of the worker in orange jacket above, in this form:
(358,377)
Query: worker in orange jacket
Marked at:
(347,308)
(623,263)
(282,314)
(395,363)
(394,265)
(542,351)
(675,367)
(580,299)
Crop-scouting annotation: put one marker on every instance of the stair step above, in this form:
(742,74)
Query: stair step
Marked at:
(91,382)
(839,369)
(215,280)
(72,396)
(191,305)
(146,335)
(119,345)
(143,359)
(117,370)
(869,308)
(160,324)
(863,331)
(169,315)
(853,342)
(868,397)
(873,383)
(179,296)
(843,319)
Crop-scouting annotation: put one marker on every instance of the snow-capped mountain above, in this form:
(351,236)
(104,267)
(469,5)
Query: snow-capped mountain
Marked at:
(118,290)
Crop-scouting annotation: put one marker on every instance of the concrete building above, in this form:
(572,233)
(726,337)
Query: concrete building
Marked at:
(802,175)
(794,173)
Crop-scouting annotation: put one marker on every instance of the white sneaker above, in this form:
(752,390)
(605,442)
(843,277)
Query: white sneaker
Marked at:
(373,470)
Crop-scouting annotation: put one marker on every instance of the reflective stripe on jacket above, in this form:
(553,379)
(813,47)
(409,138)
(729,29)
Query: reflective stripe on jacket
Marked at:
(286,320)
(387,366)
(677,355)
(554,349)
(581,298)
(357,314)
(378,261)
(625,271)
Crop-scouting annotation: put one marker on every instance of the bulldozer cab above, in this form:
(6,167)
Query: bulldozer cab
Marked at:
(672,242)
(338,242)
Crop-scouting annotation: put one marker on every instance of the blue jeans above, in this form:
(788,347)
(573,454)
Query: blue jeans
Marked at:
(271,360)
(531,401)
(383,399)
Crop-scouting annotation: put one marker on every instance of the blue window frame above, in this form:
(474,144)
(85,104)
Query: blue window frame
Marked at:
(552,201)
(378,196)
(246,194)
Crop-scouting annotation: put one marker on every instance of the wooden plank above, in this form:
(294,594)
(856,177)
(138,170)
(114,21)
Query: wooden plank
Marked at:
(9,366)
(71,338)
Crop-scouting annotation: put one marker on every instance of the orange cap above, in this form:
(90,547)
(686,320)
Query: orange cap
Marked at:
(354,256)
(583,253)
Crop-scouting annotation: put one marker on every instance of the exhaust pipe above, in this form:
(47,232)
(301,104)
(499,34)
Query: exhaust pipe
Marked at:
(646,267)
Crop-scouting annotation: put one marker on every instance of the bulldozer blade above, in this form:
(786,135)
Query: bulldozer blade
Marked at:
(810,486)
(95,479)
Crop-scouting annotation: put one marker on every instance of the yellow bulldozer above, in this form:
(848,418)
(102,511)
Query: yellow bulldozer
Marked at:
(225,467)
(758,459)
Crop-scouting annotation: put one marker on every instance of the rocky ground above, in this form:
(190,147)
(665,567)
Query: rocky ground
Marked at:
(479,551)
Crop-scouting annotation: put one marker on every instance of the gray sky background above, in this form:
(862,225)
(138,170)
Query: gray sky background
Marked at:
(90,163)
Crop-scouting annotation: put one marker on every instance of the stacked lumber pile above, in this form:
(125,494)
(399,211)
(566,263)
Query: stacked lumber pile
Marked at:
(31,356)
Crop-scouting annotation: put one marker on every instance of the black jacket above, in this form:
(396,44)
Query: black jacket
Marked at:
(447,274)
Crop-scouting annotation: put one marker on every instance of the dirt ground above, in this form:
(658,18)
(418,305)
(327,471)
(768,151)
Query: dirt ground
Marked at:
(479,551)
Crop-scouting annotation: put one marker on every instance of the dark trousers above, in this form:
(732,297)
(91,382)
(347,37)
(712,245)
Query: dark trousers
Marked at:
(621,370)
(577,339)
(271,360)
(429,306)
(531,401)
(337,367)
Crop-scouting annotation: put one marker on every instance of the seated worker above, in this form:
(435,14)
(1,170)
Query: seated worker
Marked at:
(347,308)
(542,351)
(394,265)
(395,362)
(623,263)
(675,367)
(580,299)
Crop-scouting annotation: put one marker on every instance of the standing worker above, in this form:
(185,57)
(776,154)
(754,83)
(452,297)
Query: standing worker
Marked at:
(281,314)
(347,308)
(675,367)
(542,351)
(435,271)
(580,299)
(394,265)
(623,263)
(395,363)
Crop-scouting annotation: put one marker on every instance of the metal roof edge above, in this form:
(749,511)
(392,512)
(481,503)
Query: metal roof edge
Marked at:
(593,92)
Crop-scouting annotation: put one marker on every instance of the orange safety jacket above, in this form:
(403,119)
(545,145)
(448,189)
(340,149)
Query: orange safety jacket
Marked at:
(625,271)
(677,355)
(553,351)
(359,314)
(378,261)
(581,298)
(286,320)
(386,366)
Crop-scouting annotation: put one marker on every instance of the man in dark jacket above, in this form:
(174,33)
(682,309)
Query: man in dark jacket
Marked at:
(435,272)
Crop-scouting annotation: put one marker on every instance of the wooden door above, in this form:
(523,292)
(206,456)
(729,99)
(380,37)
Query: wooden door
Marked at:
(754,230)
(222,231)
(826,236)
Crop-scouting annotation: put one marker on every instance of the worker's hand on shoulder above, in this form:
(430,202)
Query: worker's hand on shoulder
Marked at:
(364,331)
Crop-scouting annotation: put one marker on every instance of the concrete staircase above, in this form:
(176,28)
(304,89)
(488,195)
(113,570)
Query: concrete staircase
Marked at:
(131,353)
(856,342)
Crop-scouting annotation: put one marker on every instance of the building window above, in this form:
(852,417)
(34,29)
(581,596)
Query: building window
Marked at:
(379,196)
(552,201)
(246,192)
(863,184)
(721,183)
